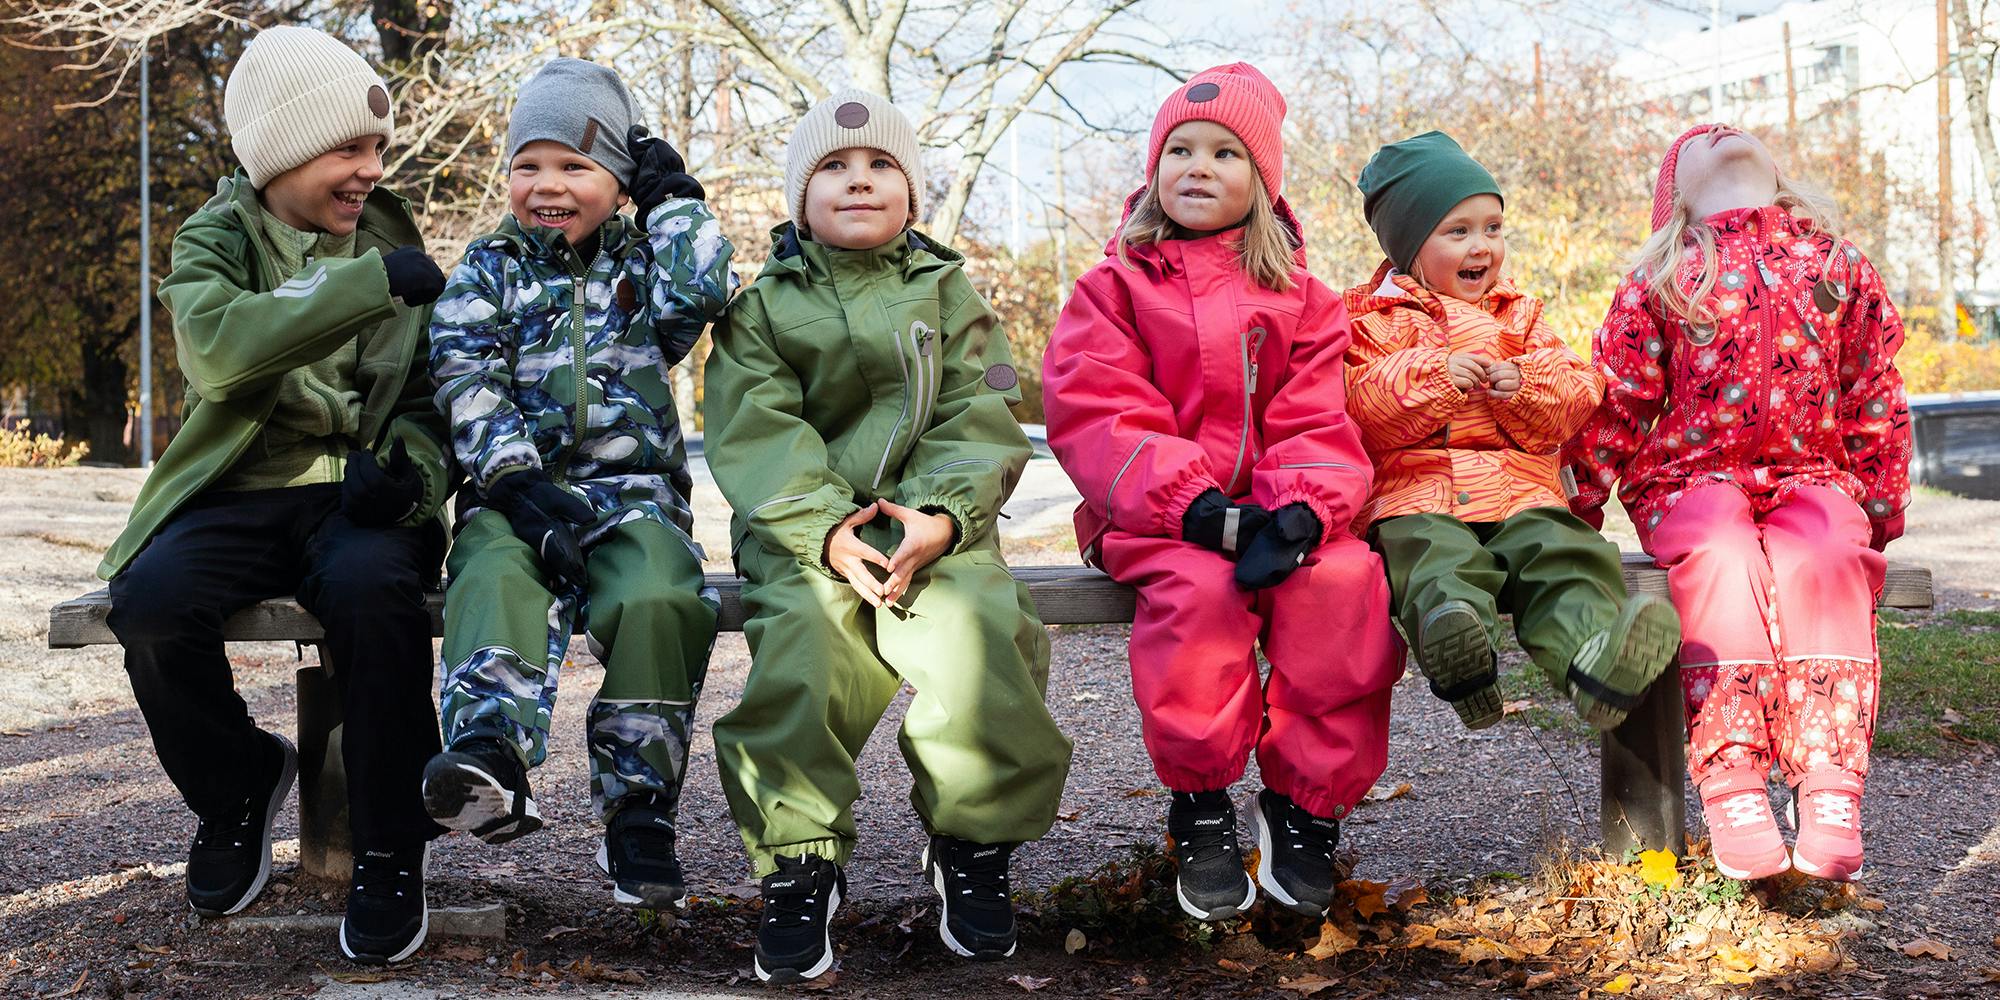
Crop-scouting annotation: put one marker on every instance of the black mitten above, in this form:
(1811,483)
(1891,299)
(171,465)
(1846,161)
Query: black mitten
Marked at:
(545,516)
(1279,548)
(1213,521)
(375,495)
(662,173)
(413,276)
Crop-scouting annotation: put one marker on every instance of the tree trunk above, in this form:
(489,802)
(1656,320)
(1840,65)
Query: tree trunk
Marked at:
(1976,69)
(407,32)
(101,401)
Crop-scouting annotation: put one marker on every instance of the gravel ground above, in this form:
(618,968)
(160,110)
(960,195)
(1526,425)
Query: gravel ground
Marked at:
(92,834)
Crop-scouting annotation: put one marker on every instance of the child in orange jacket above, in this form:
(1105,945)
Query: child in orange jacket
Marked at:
(1464,399)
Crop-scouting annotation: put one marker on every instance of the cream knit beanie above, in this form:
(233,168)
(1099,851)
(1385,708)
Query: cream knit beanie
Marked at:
(297,93)
(851,118)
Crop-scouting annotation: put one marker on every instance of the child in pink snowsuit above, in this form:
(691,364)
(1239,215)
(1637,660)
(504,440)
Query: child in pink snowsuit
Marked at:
(1755,416)
(1194,393)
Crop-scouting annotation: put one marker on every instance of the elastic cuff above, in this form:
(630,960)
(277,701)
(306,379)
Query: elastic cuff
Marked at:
(764,860)
(952,507)
(1179,780)
(1438,384)
(493,476)
(1329,526)
(820,527)
(1320,802)
(1175,510)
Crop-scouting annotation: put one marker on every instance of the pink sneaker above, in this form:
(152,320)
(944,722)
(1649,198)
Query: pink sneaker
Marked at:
(1826,811)
(1740,825)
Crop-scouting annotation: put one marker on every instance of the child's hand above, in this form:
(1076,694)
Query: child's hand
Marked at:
(1468,371)
(925,538)
(1503,379)
(849,556)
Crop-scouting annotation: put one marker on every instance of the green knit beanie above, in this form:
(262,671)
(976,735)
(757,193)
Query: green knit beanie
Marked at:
(1408,187)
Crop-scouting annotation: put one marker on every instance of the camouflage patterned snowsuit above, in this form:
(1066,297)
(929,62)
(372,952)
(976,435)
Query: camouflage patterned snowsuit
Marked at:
(504,339)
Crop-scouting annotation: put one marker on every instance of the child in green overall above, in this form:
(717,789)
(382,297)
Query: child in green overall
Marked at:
(857,404)
(551,346)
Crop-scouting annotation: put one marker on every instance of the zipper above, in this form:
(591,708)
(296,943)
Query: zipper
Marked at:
(579,349)
(1767,320)
(1316,465)
(963,461)
(1113,488)
(902,363)
(1248,341)
(753,511)
(927,380)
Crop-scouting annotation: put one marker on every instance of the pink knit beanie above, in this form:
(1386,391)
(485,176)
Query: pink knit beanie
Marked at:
(1663,186)
(1238,98)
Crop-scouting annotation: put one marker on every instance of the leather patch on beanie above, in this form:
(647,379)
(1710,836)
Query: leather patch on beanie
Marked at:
(628,299)
(853,114)
(1001,378)
(378,101)
(589,136)
(1202,93)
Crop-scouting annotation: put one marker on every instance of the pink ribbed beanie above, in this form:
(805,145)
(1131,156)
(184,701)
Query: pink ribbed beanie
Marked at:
(1238,98)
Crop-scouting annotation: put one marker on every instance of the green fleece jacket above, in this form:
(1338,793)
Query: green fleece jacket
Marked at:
(843,376)
(240,325)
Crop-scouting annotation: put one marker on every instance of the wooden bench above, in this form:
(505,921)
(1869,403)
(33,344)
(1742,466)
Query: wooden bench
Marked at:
(1644,762)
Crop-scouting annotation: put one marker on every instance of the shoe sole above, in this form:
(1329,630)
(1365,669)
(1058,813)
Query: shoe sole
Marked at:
(936,873)
(286,775)
(1224,912)
(1646,636)
(463,797)
(641,895)
(1455,648)
(1266,879)
(783,976)
(423,931)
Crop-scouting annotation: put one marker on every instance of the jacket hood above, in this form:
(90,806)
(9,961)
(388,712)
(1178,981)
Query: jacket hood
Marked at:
(618,235)
(912,252)
(1392,289)
(385,215)
(1145,251)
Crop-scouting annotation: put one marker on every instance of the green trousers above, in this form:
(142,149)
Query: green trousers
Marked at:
(507,630)
(987,763)
(1554,574)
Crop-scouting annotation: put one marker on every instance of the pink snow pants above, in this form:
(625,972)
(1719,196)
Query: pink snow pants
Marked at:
(1778,658)
(1321,724)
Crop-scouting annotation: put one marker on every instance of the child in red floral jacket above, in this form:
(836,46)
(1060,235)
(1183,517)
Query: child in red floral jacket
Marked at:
(1755,416)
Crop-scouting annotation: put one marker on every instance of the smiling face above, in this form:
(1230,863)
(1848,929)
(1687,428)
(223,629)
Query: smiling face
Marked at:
(325,194)
(857,199)
(550,184)
(1205,177)
(1463,255)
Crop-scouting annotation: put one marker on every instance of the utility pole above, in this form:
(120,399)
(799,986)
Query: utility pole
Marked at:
(1538,79)
(145,261)
(1947,300)
(1791,92)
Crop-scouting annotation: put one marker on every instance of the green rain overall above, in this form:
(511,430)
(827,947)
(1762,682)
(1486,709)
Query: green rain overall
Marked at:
(841,377)
(506,336)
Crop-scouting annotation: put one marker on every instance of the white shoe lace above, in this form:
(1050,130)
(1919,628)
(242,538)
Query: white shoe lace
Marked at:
(1833,809)
(1747,809)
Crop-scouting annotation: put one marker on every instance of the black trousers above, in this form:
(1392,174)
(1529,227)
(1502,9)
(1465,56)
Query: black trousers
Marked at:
(223,552)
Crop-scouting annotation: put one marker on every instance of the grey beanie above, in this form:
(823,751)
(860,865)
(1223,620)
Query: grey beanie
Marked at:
(583,106)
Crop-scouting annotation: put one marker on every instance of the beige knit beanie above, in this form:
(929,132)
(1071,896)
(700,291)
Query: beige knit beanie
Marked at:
(851,118)
(297,93)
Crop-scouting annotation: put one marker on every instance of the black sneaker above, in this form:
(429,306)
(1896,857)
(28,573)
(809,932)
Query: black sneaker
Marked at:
(799,899)
(977,918)
(638,853)
(480,784)
(1456,655)
(387,917)
(1201,835)
(231,857)
(1294,853)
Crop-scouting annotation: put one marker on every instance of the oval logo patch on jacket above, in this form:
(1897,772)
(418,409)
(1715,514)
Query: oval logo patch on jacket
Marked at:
(1001,378)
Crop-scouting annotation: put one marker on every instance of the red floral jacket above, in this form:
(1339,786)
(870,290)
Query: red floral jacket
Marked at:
(1795,385)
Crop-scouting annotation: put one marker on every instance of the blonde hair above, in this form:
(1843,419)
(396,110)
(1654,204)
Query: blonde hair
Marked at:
(1658,262)
(1265,252)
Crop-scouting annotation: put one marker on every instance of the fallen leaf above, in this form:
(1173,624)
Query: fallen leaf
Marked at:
(1927,948)
(1952,718)
(1367,896)
(1307,985)
(1074,942)
(1406,892)
(1516,707)
(1418,935)
(1030,983)
(1735,958)
(1140,793)
(1734,977)
(826,980)
(75,987)
(1660,868)
(1380,794)
(1622,984)
(559,932)
(1333,941)
(1484,949)
(1873,905)
(1232,965)
(154,949)
(1992,975)
(1541,979)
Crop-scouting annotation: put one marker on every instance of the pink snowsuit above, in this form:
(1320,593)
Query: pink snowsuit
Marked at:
(1178,375)
(1765,462)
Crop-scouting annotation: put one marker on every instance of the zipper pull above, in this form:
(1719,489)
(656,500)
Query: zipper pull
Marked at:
(924,341)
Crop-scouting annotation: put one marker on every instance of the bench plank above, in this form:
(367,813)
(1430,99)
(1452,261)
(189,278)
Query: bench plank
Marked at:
(1064,595)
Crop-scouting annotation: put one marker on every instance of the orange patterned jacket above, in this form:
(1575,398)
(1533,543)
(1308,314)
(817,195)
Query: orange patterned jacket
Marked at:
(1437,450)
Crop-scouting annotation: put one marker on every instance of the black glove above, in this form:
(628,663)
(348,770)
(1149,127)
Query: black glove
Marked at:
(662,173)
(1279,548)
(1207,523)
(545,516)
(375,495)
(413,276)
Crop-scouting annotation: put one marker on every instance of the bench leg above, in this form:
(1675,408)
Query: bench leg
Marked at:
(1642,805)
(325,848)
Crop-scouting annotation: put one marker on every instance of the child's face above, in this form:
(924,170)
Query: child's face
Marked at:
(550,184)
(857,199)
(1725,160)
(1463,255)
(325,194)
(1205,177)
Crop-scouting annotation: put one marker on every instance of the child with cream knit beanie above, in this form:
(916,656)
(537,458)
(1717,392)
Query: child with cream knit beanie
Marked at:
(857,418)
(310,463)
